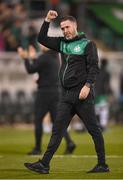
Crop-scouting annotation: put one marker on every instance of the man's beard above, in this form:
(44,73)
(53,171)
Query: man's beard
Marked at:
(68,38)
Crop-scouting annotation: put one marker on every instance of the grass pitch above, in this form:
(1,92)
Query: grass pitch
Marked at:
(15,143)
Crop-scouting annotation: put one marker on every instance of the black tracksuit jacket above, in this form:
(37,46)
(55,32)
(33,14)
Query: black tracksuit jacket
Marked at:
(79,63)
(47,67)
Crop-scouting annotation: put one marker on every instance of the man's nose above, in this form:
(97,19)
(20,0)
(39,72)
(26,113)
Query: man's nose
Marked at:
(65,30)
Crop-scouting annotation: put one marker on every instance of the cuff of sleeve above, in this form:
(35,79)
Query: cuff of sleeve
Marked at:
(88,84)
(29,60)
(46,21)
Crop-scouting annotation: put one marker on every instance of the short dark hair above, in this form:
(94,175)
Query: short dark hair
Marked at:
(68,17)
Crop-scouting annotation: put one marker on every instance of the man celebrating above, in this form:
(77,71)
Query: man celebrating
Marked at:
(77,75)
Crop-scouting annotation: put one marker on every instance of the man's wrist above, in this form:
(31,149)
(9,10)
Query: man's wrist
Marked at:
(31,60)
(47,19)
(88,85)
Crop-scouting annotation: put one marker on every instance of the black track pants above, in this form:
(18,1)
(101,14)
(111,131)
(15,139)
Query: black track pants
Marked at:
(69,106)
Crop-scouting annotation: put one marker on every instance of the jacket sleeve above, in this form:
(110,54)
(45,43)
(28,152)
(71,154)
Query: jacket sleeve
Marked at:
(32,66)
(44,39)
(91,63)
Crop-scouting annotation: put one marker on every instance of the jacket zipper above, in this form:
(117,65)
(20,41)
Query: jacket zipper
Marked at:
(65,69)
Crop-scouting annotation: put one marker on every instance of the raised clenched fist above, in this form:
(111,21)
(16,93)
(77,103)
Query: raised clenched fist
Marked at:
(51,15)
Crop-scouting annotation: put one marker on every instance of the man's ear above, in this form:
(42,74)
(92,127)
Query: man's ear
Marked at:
(75,25)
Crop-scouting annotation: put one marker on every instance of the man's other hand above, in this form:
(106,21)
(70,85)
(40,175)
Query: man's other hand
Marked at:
(22,53)
(84,92)
(32,52)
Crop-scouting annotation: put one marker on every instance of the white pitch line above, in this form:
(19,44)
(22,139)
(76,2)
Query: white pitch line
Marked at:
(83,156)
(63,179)
(86,156)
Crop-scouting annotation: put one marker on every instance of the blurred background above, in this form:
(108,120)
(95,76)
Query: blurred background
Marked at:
(20,22)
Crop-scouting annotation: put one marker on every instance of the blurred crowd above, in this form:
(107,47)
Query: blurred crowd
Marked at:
(18,19)
(15,27)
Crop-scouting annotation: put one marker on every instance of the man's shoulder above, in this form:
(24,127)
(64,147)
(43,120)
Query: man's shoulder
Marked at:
(91,44)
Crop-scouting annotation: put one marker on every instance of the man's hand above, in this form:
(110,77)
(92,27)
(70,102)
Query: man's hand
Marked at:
(84,92)
(51,15)
(32,52)
(22,53)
